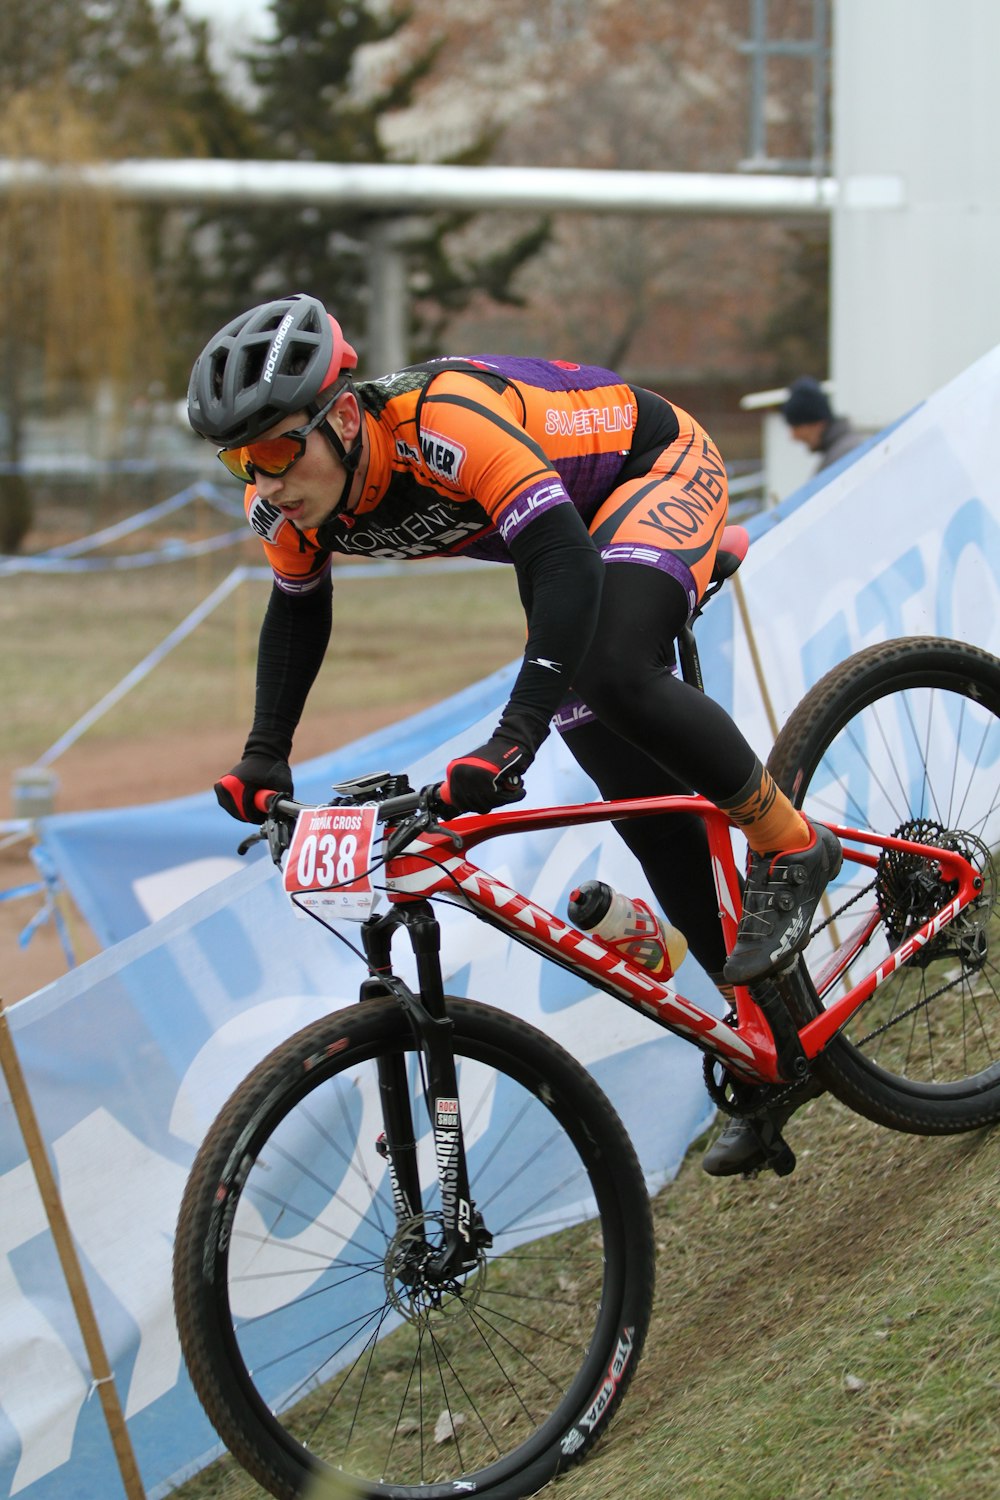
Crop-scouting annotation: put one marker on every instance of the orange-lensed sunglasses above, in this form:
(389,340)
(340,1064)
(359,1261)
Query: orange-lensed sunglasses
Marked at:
(272,457)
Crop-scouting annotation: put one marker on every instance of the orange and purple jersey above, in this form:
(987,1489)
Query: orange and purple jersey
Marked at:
(466,453)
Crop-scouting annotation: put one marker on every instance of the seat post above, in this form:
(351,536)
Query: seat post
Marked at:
(732,550)
(687,655)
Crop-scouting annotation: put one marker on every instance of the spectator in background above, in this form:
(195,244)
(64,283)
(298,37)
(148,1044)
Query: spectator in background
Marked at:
(810,416)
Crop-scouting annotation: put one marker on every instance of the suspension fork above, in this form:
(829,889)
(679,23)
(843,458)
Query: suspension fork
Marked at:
(464,1234)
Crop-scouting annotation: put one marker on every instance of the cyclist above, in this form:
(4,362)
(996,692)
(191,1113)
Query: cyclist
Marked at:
(608,500)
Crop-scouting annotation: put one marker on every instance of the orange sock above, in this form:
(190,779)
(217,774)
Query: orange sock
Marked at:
(765,815)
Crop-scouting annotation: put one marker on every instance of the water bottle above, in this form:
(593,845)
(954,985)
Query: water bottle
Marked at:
(629,926)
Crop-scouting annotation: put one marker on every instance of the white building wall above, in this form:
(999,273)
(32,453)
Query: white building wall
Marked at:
(915,290)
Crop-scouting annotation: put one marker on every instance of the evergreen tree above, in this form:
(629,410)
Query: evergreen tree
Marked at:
(312,100)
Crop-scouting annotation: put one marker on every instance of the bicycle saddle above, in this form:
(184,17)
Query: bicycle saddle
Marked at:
(733,549)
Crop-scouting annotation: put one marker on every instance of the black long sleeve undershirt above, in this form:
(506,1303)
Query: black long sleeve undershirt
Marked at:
(560,575)
(294,635)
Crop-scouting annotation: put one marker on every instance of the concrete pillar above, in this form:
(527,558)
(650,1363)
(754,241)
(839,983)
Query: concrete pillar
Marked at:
(915,284)
(387,344)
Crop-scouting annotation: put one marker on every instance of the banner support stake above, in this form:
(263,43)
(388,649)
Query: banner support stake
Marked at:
(751,640)
(102,1376)
(772,717)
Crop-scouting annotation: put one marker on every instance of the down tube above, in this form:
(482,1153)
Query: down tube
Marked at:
(590,960)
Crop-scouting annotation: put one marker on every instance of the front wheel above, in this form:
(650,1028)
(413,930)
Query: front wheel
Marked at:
(904,738)
(307,1338)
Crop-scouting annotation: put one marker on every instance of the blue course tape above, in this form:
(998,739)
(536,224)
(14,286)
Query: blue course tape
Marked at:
(15,892)
(173,550)
(48,887)
(68,557)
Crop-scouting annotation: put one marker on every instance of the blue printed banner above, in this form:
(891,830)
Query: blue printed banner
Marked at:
(130,1058)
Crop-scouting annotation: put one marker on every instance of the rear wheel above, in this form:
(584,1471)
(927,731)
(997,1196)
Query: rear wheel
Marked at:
(317,1335)
(904,738)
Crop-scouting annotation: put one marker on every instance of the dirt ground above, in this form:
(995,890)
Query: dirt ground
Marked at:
(97,775)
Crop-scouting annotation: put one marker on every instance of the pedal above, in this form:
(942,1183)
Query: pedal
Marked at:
(779,1157)
(783,1164)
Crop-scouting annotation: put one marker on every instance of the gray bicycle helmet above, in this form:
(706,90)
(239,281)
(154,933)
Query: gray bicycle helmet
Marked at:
(264,365)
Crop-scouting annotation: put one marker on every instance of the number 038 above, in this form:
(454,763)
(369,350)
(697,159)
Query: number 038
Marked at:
(324,860)
(329,861)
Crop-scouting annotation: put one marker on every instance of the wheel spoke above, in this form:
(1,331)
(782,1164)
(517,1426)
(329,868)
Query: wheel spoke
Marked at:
(342,1341)
(904,738)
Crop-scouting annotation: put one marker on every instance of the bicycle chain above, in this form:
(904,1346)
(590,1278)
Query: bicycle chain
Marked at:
(902,1015)
(864,891)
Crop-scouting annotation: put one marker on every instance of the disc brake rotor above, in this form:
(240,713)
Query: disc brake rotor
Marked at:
(411,1288)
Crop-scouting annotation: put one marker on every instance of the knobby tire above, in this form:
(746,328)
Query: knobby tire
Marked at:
(904,738)
(299,1339)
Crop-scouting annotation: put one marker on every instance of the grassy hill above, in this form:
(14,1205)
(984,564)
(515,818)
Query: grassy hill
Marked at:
(835,1333)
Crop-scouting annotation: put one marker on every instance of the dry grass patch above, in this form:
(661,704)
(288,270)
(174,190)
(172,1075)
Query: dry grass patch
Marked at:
(398,642)
(831,1334)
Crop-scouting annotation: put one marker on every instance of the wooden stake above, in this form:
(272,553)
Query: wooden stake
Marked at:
(93,1343)
(741,602)
(772,717)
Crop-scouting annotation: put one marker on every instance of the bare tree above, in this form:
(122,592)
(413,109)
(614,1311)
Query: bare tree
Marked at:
(72,317)
(622,85)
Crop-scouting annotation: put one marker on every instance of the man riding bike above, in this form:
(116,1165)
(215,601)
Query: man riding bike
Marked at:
(610,503)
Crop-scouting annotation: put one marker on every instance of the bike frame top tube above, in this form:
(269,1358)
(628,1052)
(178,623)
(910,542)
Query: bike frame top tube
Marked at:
(436,863)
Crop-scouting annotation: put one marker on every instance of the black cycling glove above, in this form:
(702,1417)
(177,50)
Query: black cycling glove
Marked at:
(491,775)
(255,773)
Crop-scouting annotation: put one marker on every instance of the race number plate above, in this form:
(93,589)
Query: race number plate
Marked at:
(328,867)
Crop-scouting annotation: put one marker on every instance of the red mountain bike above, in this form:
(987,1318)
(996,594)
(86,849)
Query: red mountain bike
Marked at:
(416,1246)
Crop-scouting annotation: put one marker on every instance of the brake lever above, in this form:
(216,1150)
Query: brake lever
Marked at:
(425,817)
(279,835)
(406,831)
(276,833)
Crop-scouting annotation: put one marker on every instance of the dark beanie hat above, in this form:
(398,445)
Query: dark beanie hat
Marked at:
(806,403)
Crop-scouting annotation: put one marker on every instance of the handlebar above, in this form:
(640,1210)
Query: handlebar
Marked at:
(398,804)
(353,794)
(284,809)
